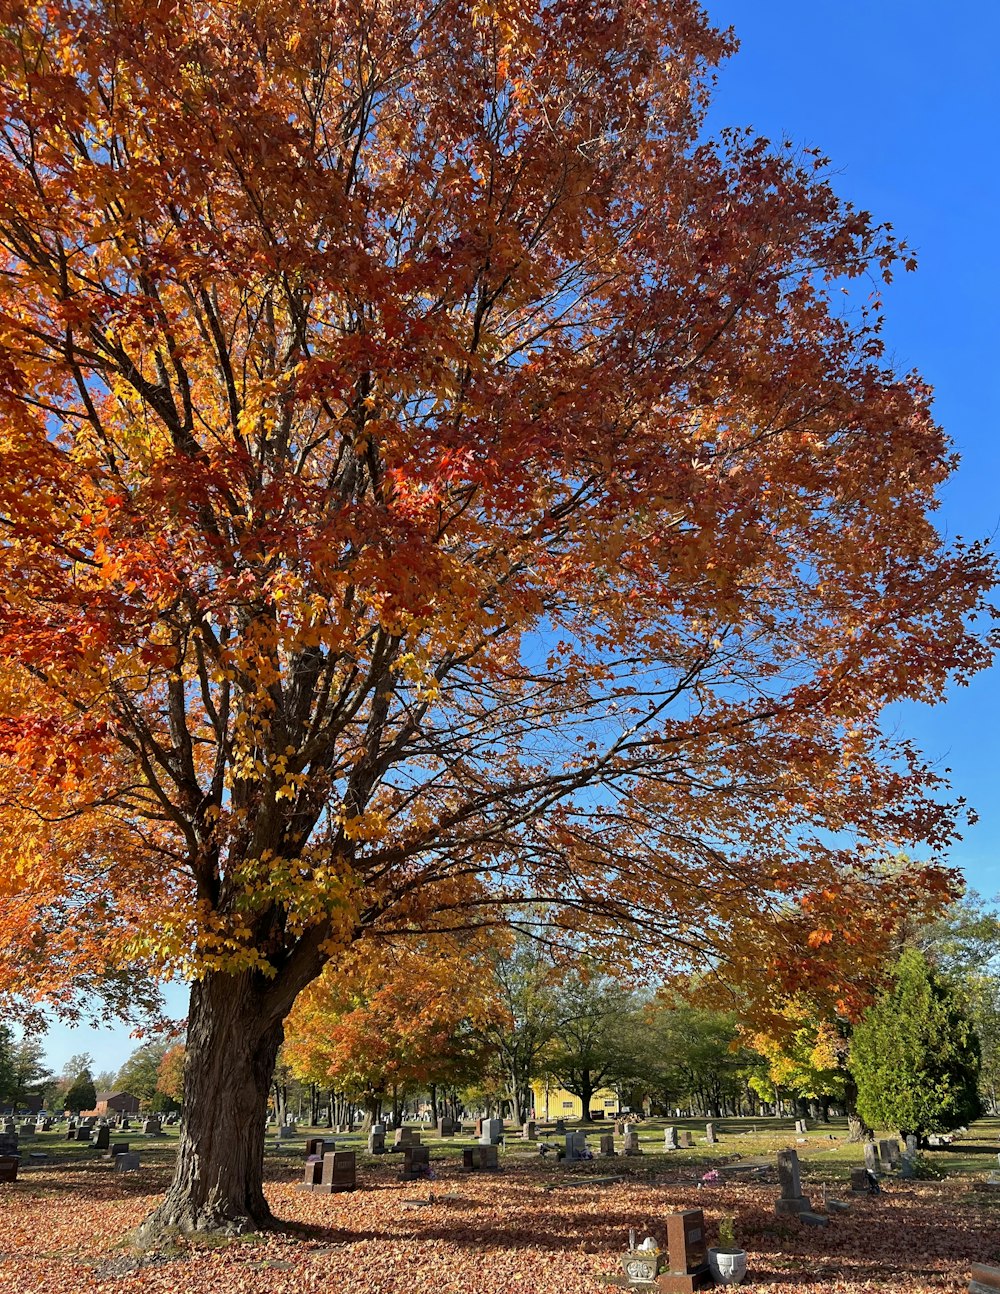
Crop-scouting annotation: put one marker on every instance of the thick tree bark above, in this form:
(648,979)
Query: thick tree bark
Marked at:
(218,1180)
(586,1094)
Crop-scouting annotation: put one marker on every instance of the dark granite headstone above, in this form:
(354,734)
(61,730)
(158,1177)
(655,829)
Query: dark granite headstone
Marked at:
(339,1172)
(416,1162)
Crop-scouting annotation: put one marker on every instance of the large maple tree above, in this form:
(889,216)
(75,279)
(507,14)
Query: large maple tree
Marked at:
(433,478)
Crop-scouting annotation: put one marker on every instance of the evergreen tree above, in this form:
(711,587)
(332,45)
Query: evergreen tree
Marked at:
(82,1094)
(915,1055)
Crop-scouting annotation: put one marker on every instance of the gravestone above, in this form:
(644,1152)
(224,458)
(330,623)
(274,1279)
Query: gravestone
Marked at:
(447,1127)
(339,1172)
(792,1201)
(800,1126)
(416,1163)
(632,1146)
(859,1181)
(9,1127)
(984,1280)
(376,1139)
(669,1138)
(8,1146)
(102,1138)
(8,1168)
(888,1153)
(117,1148)
(405,1137)
(124,1123)
(128,1162)
(475,1158)
(607,1143)
(492,1133)
(152,1128)
(687,1254)
(619,1129)
(313,1173)
(871,1157)
(911,1144)
(685,1139)
(319,1146)
(528,1130)
(710,1133)
(287,1130)
(576,1144)
(560,1125)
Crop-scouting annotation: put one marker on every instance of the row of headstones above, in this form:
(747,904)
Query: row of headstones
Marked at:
(329,1170)
(125,1160)
(887,1158)
(100,1135)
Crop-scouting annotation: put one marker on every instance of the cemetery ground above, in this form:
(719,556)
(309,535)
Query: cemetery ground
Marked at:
(538,1225)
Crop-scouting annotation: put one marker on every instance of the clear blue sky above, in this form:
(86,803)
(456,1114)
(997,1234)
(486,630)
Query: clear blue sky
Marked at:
(904,99)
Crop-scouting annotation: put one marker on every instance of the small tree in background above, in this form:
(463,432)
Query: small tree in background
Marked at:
(139,1076)
(915,1055)
(170,1075)
(82,1095)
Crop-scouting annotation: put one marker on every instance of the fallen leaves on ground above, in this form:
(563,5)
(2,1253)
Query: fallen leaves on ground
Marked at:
(64,1227)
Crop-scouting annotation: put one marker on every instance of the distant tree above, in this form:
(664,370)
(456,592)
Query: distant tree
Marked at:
(374,1028)
(7,1070)
(170,1076)
(76,1064)
(915,1056)
(29,1072)
(526,1023)
(104,1080)
(81,1094)
(591,1047)
(140,1073)
(805,1061)
(692,1057)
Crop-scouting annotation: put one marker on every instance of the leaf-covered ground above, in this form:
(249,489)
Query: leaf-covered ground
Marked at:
(64,1228)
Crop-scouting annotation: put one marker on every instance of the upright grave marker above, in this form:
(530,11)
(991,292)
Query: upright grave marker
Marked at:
(687,1254)
(792,1201)
(416,1163)
(338,1172)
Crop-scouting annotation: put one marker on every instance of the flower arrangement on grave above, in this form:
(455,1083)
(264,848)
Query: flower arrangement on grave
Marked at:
(642,1262)
(727,1261)
(727,1234)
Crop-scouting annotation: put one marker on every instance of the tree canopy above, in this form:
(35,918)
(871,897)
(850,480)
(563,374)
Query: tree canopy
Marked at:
(435,480)
(915,1056)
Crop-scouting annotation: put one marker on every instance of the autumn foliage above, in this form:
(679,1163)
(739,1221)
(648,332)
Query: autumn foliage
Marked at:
(410,1016)
(434,479)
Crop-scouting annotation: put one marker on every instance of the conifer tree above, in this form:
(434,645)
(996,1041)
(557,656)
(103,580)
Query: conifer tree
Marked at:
(915,1055)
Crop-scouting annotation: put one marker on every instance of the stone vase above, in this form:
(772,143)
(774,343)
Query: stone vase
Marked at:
(728,1266)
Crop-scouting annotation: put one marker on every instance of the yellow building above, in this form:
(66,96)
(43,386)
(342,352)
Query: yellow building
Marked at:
(554,1102)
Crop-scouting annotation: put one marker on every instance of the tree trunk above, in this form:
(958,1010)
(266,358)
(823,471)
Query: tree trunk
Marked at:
(586,1094)
(218,1180)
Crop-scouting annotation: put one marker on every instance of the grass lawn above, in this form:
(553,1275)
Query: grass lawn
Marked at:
(537,1226)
